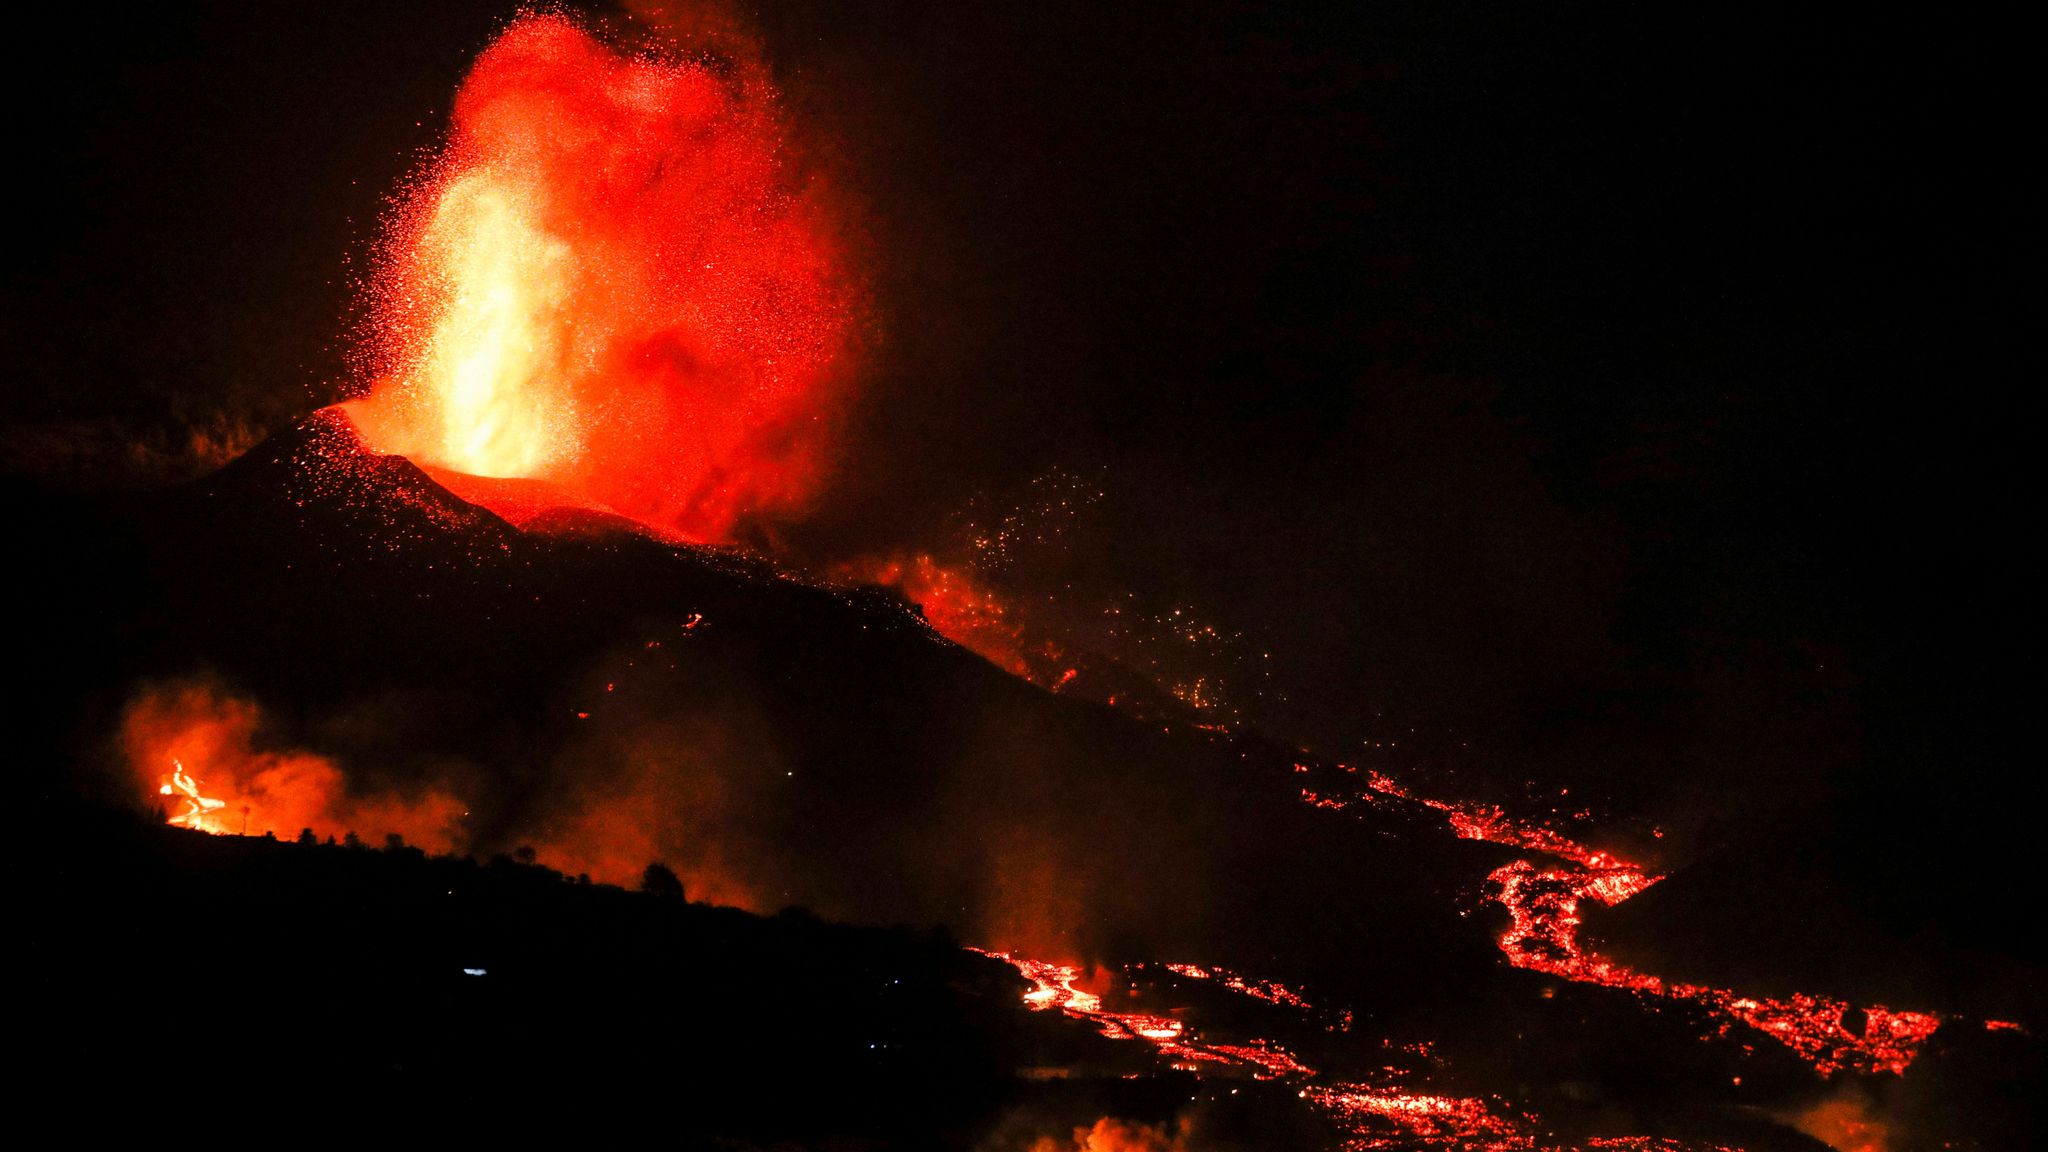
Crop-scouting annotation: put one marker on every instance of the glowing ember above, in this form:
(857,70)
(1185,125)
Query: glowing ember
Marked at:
(969,614)
(985,592)
(608,283)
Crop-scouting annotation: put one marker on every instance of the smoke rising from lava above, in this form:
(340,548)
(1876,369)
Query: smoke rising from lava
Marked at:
(198,729)
(1846,1121)
(1112,1135)
(615,281)
(666,766)
(990,824)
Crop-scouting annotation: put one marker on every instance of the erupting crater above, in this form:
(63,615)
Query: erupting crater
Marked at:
(613,283)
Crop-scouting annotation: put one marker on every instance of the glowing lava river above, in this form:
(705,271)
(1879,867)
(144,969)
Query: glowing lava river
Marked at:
(1392,1111)
(1542,900)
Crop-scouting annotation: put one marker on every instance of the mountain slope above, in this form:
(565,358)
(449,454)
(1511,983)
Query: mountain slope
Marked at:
(610,697)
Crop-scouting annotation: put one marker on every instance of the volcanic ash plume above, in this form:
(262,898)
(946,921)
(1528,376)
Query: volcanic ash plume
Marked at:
(610,282)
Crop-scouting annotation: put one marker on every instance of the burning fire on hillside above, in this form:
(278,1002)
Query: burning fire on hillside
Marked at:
(226,776)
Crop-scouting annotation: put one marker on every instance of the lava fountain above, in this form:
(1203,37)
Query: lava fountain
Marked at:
(611,281)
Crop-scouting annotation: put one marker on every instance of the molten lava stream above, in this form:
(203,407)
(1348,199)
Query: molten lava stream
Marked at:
(1386,1115)
(1543,936)
(1391,1114)
(197,807)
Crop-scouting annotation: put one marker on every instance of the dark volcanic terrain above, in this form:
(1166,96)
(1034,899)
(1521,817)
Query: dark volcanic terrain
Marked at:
(600,698)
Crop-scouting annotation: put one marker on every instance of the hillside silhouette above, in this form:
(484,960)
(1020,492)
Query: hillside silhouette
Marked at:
(602,698)
(861,765)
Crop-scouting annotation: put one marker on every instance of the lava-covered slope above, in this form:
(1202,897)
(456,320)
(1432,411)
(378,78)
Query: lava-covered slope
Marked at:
(588,687)
(820,745)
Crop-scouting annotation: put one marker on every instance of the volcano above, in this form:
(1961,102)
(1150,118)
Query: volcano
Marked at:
(1028,578)
(594,696)
(839,752)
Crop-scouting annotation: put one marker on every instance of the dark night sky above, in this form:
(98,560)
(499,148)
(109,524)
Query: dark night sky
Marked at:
(1633,391)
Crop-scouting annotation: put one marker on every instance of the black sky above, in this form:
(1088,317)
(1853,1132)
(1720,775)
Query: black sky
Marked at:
(1633,392)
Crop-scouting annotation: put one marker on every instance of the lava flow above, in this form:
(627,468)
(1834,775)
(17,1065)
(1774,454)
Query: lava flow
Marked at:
(1405,1119)
(612,283)
(1390,1114)
(1054,988)
(269,789)
(1543,936)
(1543,907)
(197,807)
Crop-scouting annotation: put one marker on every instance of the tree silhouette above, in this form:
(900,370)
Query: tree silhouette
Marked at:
(660,881)
(306,836)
